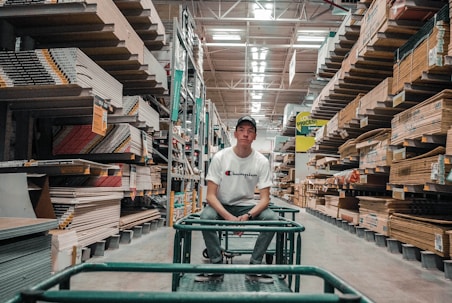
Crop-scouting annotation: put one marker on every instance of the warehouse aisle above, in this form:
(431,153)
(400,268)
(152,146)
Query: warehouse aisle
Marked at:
(373,270)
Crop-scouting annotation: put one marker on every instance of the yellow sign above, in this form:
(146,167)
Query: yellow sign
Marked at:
(305,124)
(303,143)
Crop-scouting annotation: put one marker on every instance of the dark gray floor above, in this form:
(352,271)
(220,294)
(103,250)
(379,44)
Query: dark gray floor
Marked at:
(373,270)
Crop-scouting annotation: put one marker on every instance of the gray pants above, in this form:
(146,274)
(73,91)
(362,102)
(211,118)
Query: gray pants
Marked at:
(213,242)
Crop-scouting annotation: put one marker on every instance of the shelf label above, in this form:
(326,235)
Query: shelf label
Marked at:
(100,112)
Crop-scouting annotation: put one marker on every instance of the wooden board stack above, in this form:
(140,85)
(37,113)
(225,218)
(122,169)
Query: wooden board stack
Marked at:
(426,232)
(430,117)
(424,52)
(375,212)
(92,212)
(131,218)
(374,148)
(120,138)
(430,167)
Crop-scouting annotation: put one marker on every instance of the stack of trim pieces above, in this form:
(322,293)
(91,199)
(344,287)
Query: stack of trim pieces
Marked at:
(24,253)
(79,139)
(135,106)
(58,66)
(131,218)
(136,177)
(92,212)
(64,243)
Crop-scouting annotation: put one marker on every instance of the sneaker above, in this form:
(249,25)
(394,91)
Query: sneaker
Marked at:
(259,278)
(209,278)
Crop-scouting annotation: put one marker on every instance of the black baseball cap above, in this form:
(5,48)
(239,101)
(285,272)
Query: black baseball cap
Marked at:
(247,119)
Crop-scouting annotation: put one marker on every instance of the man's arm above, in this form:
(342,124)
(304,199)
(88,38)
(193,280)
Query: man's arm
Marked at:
(213,201)
(264,201)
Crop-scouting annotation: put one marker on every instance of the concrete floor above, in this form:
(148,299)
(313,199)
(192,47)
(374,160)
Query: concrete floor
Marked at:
(381,275)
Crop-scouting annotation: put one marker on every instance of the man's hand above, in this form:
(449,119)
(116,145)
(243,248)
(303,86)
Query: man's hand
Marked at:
(241,218)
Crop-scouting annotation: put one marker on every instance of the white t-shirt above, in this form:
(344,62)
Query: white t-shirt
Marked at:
(238,177)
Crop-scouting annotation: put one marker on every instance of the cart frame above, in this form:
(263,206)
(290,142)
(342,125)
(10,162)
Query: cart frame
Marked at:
(45,292)
(288,239)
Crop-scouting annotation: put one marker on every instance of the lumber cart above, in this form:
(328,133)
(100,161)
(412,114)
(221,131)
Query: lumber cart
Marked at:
(234,288)
(234,245)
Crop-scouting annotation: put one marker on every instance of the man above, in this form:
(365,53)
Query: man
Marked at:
(232,178)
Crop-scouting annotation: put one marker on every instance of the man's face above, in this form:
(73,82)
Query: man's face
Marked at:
(245,133)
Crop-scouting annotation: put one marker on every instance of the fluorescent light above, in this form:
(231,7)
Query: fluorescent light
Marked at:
(305,38)
(307,45)
(226,37)
(317,32)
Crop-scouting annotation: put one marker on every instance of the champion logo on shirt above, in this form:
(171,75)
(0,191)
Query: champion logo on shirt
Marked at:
(231,173)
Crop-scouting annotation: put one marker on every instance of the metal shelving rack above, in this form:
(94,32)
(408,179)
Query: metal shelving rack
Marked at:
(187,111)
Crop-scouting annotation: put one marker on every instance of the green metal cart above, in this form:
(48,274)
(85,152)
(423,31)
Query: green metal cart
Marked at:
(335,289)
(234,245)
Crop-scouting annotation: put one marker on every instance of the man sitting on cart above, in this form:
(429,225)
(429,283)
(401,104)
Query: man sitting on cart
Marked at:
(233,175)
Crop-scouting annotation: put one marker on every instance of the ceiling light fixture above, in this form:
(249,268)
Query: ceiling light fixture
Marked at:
(229,37)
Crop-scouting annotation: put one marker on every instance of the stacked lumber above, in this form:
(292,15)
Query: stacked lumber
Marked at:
(450,14)
(374,212)
(120,138)
(374,148)
(414,9)
(93,213)
(332,126)
(423,169)
(156,176)
(333,205)
(449,142)
(348,113)
(131,218)
(423,52)
(376,98)
(426,232)
(64,249)
(145,116)
(58,67)
(430,117)
(348,149)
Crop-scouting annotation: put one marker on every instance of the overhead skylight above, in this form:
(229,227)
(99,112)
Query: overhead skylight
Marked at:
(263,11)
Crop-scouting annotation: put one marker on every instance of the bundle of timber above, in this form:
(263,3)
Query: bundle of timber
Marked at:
(348,149)
(430,117)
(374,148)
(348,113)
(427,168)
(377,98)
(131,218)
(414,9)
(145,116)
(59,67)
(332,126)
(449,142)
(380,32)
(119,138)
(426,232)
(93,213)
(374,212)
(334,205)
(423,52)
